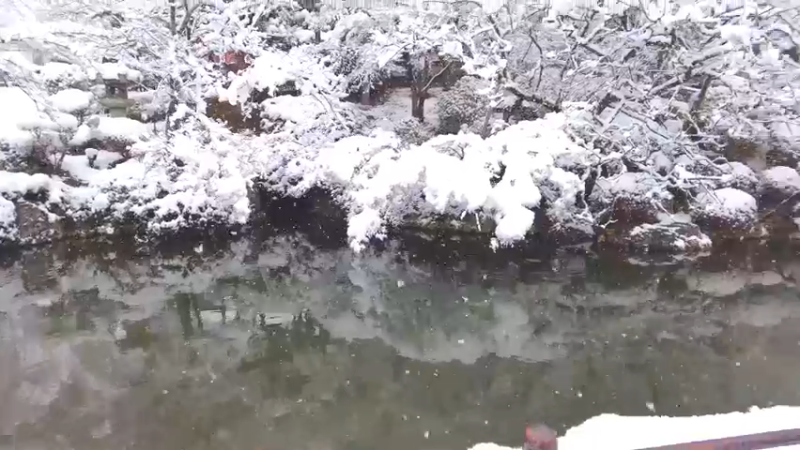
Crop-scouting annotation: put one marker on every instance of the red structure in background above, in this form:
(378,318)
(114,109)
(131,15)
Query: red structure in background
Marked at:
(540,437)
(233,61)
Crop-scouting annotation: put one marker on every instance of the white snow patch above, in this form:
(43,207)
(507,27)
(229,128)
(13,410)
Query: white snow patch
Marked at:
(210,182)
(667,218)
(740,170)
(304,36)
(631,433)
(13,184)
(783,178)
(788,131)
(728,203)
(55,72)
(214,318)
(111,128)
(293,109)
(397,106)
(103,158)
(115,71)
(739,176)
(738,34)
(18,122)
(273,69)
(71,100)
(8,217)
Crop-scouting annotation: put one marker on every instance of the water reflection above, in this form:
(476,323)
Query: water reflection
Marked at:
(279,344)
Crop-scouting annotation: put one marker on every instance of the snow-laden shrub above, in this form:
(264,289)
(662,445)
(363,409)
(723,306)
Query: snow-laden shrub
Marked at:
(8,219)
(198,174)
(31,126)
(459,176)
(414,132)
(312,119)
(461,105)
(59,75)
(16,185)
(72,101)
(273,69)
(739,176)
(782,178)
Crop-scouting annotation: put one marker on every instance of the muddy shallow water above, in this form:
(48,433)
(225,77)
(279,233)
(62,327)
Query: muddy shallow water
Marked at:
(278,344)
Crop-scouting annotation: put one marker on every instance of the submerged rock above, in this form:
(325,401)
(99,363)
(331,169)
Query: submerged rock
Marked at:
(577,230)
(36,225)
(633,198)
(471,223)
(676,237)
(664,237)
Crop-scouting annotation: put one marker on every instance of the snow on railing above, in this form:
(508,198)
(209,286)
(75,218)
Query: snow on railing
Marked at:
(772,439)
(768,428)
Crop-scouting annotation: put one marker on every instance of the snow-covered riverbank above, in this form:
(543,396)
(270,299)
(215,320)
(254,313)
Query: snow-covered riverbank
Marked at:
(145,129)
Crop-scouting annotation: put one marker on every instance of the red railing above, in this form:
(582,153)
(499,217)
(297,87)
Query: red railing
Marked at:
(772,439)
(543,438)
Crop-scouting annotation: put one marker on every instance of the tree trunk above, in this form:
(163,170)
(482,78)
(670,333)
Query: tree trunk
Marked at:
(173,22)
(417,104)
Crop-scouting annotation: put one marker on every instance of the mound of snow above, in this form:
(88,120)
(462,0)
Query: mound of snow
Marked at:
(728,204)
(120,129)
(631,433)
(274,69)
(643,432)
(178,181)
(295,110)
(782,178)
(102,158)
(115,71)
(71,100)
(62,74)
(21,118)
(15,184)
(455,175)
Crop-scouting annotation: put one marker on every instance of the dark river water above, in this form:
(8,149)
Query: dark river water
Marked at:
(278,344)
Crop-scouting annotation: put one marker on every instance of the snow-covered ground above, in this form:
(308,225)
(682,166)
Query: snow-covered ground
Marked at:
(634,433)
